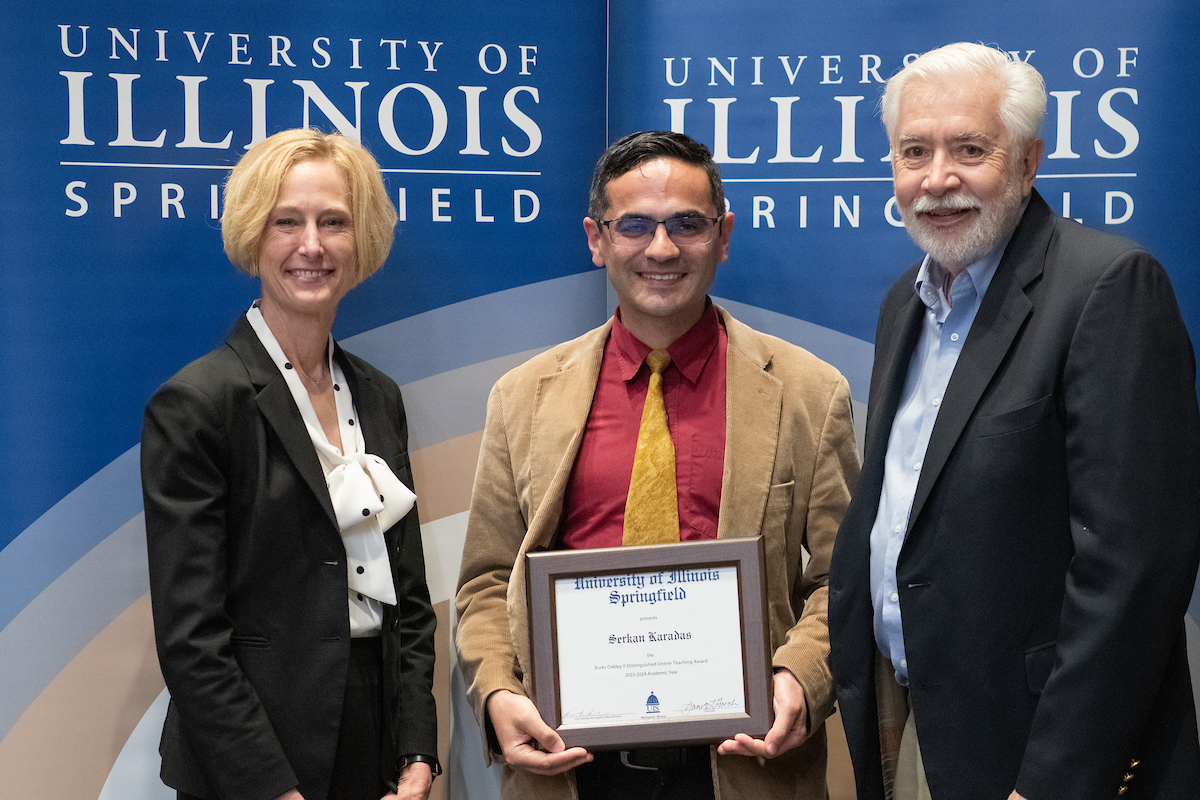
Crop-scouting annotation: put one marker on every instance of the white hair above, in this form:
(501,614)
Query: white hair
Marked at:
(1023,103)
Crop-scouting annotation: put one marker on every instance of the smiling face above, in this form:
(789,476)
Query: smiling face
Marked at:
(959,179)
(307,251)
(662,286)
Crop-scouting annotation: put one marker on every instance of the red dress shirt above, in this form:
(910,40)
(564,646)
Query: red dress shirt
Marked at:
(694,396)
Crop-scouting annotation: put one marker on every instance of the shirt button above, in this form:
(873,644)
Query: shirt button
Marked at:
(359,570)
(898,528)
(904,663)
(895,597)
(937,401)
(954,337)
(917,466)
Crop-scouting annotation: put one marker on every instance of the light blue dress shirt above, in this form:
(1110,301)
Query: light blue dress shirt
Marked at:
(943,332)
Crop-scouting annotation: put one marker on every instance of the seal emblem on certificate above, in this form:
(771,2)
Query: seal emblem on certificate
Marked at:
(656,645)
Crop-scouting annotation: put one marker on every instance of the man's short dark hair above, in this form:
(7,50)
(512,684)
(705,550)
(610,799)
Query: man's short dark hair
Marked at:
(638,148)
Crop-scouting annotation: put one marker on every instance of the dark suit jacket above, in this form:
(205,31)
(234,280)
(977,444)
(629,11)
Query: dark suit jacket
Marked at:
(248,579)
(1053,540)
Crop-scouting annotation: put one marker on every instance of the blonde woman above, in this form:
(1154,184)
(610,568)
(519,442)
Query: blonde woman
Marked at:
(291,613)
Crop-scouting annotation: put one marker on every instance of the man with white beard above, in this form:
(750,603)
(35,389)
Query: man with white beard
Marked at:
(1009,583)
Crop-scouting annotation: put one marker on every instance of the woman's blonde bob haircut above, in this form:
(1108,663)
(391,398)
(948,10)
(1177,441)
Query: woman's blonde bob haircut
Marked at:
(253,189)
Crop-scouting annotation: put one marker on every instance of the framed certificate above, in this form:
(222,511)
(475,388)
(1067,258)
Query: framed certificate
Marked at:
(651,646)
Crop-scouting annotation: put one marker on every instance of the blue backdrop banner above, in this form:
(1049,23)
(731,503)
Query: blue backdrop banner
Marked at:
(123,120)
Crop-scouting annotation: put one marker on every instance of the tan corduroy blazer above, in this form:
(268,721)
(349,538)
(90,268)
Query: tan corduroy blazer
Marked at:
(789,464)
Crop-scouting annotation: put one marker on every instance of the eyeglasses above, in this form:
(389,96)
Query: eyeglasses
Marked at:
(639,231)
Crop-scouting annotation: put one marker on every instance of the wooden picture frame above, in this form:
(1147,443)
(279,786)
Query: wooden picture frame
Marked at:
(596,589)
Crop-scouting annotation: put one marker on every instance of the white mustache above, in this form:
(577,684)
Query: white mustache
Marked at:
(953,202)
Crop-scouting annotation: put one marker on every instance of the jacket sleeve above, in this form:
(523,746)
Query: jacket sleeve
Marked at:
(1133,472)
(416,728)
(495,531)
(834,471)
(185,466)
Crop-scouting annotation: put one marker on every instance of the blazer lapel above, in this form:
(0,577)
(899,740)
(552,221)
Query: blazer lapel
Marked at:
(887,387)
(279,409)
(369,401)
(754,404)
(564,399)
(1001,317)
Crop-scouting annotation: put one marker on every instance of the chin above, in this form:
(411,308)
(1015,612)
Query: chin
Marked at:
(953,252)
(957,249)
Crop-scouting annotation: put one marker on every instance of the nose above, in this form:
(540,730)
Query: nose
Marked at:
(941,176)
(310,239)
(661,248)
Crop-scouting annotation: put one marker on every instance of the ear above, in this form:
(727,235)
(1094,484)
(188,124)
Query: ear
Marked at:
(723,240)
(1031,159)
(595,240)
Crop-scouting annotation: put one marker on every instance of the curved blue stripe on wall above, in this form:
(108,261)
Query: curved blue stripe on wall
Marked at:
(81,564)
(84,599)
(429,344)
(454,403)
(72,527)
(446,359)
(852,356)
(536,315)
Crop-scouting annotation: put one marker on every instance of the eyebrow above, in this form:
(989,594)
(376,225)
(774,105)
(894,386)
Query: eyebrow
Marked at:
(967,136)
(677,215)
(290,209)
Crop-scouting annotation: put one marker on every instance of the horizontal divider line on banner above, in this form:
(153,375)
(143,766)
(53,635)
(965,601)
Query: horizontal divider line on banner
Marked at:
(888,179)
(230,166)
(226,168)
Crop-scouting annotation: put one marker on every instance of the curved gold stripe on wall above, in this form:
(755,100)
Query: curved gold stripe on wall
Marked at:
(67,740)
(443,474)
(65,743)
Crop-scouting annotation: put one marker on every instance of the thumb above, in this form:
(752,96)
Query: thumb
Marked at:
(548,738)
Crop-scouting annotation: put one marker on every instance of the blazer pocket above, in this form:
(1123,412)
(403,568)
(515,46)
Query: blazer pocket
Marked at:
(1018,419)
(249,641)
(779,498)
(1039,661)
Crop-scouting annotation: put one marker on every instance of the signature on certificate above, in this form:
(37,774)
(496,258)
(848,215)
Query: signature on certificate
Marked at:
(708,706)
(586,715)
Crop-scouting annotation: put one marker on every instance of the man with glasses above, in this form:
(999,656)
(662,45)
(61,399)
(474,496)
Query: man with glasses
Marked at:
(762,443)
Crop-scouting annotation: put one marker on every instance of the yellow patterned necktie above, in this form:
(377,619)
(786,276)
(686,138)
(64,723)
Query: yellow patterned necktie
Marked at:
(652,508)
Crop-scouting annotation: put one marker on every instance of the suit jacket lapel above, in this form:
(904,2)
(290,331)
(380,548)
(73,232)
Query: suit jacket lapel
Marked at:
(1001,317)
(888,376)
(279,409)
(754,403)
(369,402)
(564,399)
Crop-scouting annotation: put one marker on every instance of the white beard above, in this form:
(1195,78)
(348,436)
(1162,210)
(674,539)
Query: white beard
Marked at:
(956,250)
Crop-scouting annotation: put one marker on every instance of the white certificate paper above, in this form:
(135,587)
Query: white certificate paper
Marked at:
(649,646)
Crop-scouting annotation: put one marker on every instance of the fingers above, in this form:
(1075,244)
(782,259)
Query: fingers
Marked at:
(539,762)
(527,742)
(789,729)
(744,745)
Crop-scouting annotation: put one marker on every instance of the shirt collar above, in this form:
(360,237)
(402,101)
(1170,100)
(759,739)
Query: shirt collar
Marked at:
(689,353)
(973,281)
